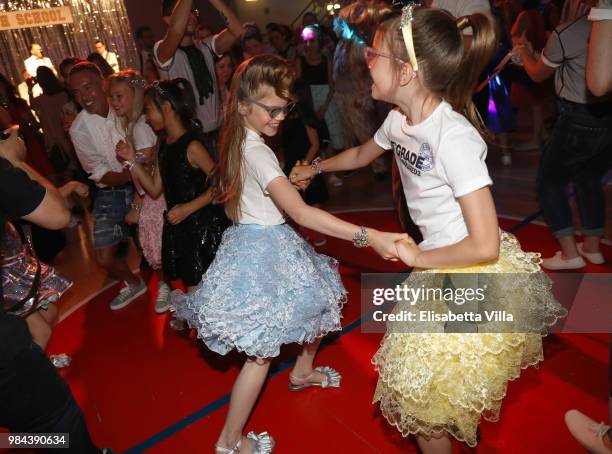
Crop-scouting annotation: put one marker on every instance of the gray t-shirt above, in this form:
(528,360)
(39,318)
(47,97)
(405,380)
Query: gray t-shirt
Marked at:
(210,113)
(566,51)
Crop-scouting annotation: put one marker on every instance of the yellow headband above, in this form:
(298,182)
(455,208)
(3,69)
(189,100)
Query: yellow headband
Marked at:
(406,26)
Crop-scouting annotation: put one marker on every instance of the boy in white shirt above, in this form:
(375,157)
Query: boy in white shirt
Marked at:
(179,55)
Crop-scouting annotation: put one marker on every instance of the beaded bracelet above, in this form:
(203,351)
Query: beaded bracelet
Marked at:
(360,238)
(316,166)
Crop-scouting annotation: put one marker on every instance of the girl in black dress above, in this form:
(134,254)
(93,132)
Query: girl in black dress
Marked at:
(193,226)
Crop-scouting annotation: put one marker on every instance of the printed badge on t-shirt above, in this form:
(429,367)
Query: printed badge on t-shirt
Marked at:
(414,162)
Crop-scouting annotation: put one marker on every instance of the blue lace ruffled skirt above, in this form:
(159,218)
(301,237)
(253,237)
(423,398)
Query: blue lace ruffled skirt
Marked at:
(266,287)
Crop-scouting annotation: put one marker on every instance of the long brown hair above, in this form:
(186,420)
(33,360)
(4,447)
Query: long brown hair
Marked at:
(251,78)
(447,66)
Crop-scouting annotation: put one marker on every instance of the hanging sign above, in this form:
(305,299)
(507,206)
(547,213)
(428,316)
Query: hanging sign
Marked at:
(36,18)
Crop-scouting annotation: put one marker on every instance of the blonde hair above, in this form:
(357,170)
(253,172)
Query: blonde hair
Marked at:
(251,78)
(447,67)
(136,82)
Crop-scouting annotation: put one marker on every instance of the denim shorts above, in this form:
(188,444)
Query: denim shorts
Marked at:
(110,208)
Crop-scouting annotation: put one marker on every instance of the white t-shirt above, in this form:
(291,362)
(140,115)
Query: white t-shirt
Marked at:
(210,113)
(144,136)
(33,63)
(111,59)
(439,160)
(94,139)
(259,167)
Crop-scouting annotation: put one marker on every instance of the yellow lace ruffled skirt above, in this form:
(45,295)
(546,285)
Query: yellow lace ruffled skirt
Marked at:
(431,382)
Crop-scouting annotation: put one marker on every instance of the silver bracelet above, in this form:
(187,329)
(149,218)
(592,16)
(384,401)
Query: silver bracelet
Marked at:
(130,165)
(316,166)
(360,238)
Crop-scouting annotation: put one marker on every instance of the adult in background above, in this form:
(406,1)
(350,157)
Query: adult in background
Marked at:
(252,42)
(281,38)
(352,81)
(66,66)
(101,63)
(526,95)
(37,59)
(110,57)
(49,108)
(14,110)
(578,150)
(94,139)
(179,55)
(35,399)
(597,438)
(144,43)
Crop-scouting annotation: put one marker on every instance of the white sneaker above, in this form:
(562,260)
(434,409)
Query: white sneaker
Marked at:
(557,262)
(128,294)
(162,303)
(595,258)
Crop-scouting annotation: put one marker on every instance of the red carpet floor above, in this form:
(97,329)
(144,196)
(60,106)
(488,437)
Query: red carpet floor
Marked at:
(145,388)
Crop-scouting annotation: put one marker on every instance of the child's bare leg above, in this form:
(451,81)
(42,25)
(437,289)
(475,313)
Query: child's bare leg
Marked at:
(244,395)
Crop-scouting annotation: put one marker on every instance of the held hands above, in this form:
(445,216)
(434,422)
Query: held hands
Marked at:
(408,251)
(125,151)
(301,172)
(178,213)
(302,184)
(385,243)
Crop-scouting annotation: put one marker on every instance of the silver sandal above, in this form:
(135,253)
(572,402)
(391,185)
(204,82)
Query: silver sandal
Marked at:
(331,380)
(234,450)
(264,443)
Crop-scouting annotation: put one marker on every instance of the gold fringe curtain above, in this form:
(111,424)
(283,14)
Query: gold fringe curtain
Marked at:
(106,20)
